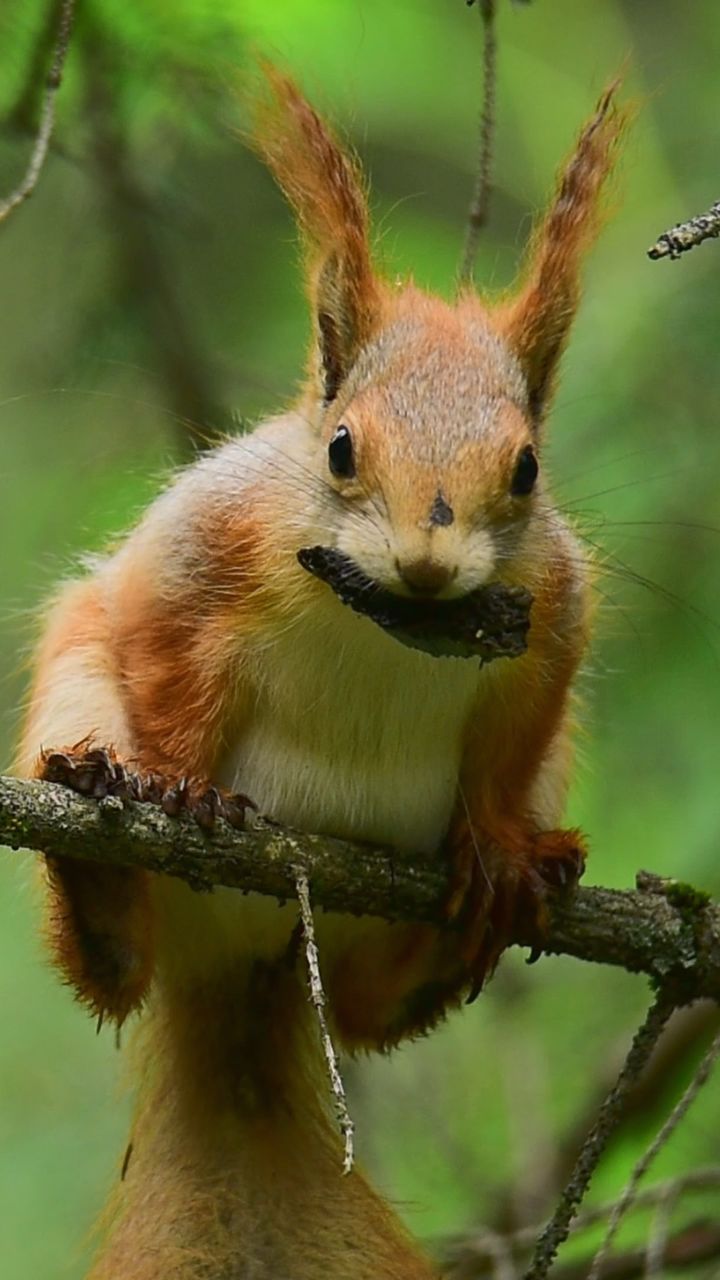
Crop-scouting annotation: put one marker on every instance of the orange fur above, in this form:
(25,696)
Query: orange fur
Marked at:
(201,647)
(242,1176)
(98,923)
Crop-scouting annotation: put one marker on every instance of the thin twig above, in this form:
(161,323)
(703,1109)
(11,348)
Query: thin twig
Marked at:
(318,1001)
(461,1252)
(697,1243)
(706,1178)
(639,1054)
(47,117)
(170,331)
(477,215)
(499,1250)
(679,239)
(685,1039)
(677,1114)
(659,1236)
(694,1244)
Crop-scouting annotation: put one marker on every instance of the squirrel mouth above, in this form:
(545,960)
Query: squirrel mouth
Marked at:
(490,622)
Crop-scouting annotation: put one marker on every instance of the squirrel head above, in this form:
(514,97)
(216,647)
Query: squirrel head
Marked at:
(427,414)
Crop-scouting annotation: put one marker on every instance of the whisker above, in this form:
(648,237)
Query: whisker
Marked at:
(628,484)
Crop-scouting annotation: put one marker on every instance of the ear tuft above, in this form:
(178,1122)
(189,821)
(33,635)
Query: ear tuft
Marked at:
(325,188)
(536,323)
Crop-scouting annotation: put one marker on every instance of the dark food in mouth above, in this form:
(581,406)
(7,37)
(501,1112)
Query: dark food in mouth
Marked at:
(491,622)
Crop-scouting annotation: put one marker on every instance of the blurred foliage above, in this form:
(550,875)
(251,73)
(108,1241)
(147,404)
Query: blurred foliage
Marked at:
(153,278)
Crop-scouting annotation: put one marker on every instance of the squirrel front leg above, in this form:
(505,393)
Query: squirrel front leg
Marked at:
(504,845)
(79,733)
(504,848)
(97,919)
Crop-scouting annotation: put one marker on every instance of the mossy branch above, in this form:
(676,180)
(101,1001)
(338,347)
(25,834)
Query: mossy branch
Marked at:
(668,931)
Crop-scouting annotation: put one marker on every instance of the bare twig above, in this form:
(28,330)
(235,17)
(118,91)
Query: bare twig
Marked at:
(697,1243)
(659,1236)
(47,117)
(678,1113)
(463,1254)
(685,235)
(639,1054)
(177,357)
(318,1001)
(477,215)
(690,1031)
(694,1244)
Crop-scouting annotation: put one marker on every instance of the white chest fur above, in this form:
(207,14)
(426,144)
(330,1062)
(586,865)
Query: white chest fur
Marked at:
(352,734)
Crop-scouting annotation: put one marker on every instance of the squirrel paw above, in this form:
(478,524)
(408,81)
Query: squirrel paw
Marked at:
(498,896)
(97,772)
(99,920)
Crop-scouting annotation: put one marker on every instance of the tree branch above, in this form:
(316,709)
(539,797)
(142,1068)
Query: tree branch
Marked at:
(630,1193)
(663,929)
(198,419)
(558,1228)
(480,203)
(47,116)
(679,239)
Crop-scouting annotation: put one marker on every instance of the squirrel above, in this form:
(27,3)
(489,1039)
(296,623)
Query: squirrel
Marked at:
(213,656)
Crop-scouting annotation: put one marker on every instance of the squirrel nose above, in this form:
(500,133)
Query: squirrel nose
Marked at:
(425,576)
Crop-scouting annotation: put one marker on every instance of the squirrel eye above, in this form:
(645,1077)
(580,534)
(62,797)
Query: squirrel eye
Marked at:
(525,474)
(340,454)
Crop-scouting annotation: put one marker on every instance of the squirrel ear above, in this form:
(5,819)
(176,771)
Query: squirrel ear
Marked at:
(326,190)
(536,323)
(340,323)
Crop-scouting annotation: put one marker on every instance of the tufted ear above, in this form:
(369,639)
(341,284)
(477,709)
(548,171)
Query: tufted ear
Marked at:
(536,321)
(326,190)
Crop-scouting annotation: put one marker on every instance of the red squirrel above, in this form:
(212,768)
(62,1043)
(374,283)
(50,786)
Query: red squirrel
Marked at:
(263,631)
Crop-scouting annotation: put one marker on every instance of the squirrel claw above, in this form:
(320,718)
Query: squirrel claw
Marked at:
(214,803)
(499,896)
(175,798)
(97,772)
(207,808)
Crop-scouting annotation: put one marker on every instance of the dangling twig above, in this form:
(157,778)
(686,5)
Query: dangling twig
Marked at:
(677,1114)
(684,236)
(558,1227)
(477,215)
(318,1001)
(47,117)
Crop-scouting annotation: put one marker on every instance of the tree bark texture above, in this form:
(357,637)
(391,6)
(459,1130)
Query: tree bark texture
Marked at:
(664,929)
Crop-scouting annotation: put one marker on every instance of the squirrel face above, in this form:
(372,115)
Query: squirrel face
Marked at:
(431,454)
(430,413)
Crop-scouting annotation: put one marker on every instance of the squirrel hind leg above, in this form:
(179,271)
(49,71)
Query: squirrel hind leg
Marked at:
(98,926)
(391,982)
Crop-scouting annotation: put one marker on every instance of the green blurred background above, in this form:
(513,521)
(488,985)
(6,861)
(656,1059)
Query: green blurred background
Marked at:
(153,278)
